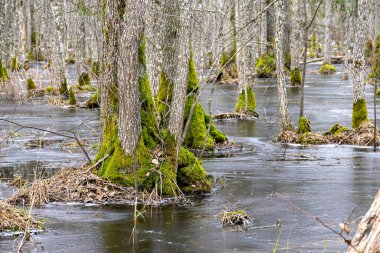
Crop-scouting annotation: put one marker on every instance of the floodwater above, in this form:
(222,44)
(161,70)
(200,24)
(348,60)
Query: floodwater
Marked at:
(332,182)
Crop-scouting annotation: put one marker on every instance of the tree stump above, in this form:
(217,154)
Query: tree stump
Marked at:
(367,237)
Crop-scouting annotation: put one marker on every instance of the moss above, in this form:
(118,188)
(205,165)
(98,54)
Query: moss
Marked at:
(192,77)
(164,96)
(26,65)
(14,65)
(327,69)
(50,90)
(93,102)
(266,66)
(63,87)
(241,105)
(84,80)
(375,72)
(3,73)
(191,176)
(336,129)
(31,85)
(295,76)
(72,98)
(320,48)
(359,113)
(303,125)
(33,38)
(309,139)
(70,60)
(288,61)
(378,92)
(95,68)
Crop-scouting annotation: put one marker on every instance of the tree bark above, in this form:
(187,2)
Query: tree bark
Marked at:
(284,119)
(263,28)
(367,237)
(328,27)
(296,44)
(129,73)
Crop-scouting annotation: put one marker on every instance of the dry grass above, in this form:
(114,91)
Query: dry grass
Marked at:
(79,185)
(16,219)
(362,136)
(229,218)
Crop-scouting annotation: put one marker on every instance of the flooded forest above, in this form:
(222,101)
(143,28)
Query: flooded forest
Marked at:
(189,126)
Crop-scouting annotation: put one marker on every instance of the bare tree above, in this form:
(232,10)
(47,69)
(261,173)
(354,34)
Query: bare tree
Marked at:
(328,27)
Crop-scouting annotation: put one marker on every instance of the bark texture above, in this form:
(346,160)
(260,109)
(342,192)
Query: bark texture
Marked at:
(284,119)
(328,27)
(367,237)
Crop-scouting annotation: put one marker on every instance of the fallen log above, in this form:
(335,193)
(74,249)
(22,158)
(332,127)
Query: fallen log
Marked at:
(367,237)
(235,115)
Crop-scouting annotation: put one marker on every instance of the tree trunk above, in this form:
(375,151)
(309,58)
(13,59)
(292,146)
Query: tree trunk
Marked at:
(263,28)
(284,119)
(360,114)
(246,102)
(328,27)
(59,54)
(367,237)
(2,28)
(296,43)
(347,42)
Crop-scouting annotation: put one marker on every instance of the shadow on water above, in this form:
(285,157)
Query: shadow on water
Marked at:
(328,181)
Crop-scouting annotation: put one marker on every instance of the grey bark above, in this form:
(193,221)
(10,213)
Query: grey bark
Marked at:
(328,27)
(284,119)
(296,41)
(129,99)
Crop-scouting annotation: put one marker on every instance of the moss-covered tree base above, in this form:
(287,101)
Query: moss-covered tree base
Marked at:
(336,130)
(360,114)
(295,76)
(327,69)
(266,66)
(304,125)
(246,103)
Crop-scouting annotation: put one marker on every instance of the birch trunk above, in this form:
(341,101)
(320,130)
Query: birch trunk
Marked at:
(263,28)
(367,237)
(328,27)
(360,114)
(2,28)
(284,119)
(296,34)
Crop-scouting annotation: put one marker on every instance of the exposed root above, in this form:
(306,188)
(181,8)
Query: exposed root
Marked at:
(362,136)
(79,185)
(14,219)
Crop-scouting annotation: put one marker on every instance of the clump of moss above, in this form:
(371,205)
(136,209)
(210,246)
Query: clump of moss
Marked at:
(72,98)
(31,85)
(375,72)
(197,132)
(359,113)
(368,52)
(304,125)
(378,92)
(295,76)
(246,96)
(320,48)
(336,129)
(84,80)
(266,66)
(3,73)
(95,68)
(70,60)
(191,176)
(26,65)
(63,87)
(93,102)
(50,90)
(164,96)
(312,51)
(327,69)
(14,65)
(288,61)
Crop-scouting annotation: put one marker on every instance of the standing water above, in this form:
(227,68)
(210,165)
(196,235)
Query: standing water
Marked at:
(326,181)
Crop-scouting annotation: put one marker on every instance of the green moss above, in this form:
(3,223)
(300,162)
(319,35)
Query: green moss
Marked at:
(191,176)
(72,98)
(375,72)
(192,77)
(336,129)
(70,60)
(94,101)
(309,139)
(3,73)
(320,48)
(360,113)
(95,68)
(63,88)
(266,66)
(164,97)
(31,85)
(14,65)
(26,65)
(378,92)
(84,80)
(312,51)
(50,90)
(33,38)
(303,125)
(288,61)
(295,76)
(327,69)
(241,106)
